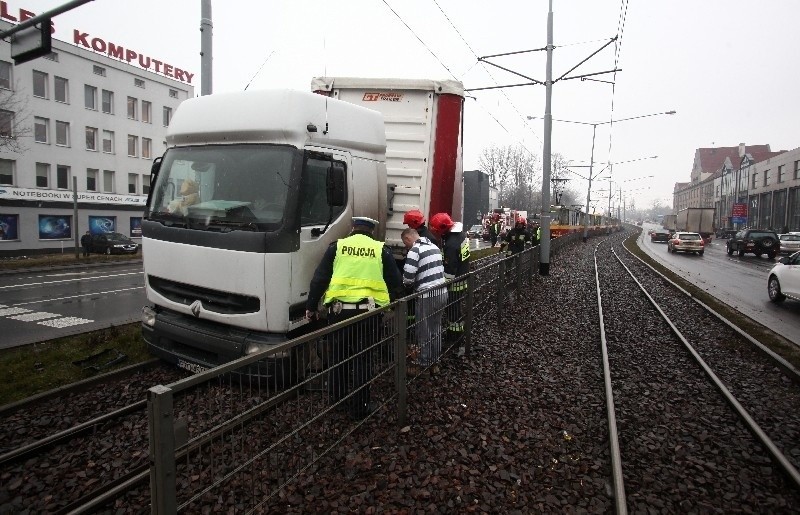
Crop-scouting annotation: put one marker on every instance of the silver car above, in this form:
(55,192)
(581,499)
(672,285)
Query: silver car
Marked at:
(686,242)
(790,242)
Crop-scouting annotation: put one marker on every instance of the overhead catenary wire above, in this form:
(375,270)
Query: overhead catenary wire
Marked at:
(475,54)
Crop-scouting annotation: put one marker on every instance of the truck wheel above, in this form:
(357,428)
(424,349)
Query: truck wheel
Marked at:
(700,253)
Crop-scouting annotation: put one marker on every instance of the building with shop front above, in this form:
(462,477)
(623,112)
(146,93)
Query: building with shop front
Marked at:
(761,193)
(91,112)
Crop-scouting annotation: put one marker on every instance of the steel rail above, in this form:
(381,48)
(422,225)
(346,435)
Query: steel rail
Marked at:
(779,360)
(620,500)
(745,416)
(31,448)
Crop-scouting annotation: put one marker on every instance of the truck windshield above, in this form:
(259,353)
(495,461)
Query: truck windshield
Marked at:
(223,186)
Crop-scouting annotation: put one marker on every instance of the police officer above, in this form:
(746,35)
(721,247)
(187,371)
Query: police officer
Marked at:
(356,274)
(456,263)
(517,237)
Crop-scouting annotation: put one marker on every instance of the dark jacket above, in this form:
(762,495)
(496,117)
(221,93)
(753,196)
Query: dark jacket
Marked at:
(516,239)
(86,240)
(424,232)
(324,272)
(456,254)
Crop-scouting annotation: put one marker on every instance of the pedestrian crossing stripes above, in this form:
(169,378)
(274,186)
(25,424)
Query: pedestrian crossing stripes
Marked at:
(60,323)
(53,320)
(35,316)
(13,311)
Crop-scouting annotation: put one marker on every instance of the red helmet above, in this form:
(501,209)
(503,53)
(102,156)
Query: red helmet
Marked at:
(414,218)
(520,220)
(441,223)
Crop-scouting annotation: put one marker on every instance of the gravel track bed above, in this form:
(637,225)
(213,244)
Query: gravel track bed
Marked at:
(771,398)
(45,418)
(683,448)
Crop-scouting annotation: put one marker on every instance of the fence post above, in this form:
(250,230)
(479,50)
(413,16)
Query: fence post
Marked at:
(501,276)
(468,315)
(162,451)
(518,272)
(400,350)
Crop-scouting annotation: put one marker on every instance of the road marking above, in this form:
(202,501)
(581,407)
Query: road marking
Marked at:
(68,280)
(60,323)
(33,317)
(44,301)
(13,311)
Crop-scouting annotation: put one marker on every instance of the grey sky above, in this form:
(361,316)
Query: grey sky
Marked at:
(726,66)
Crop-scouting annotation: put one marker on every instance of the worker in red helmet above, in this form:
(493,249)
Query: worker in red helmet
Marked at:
(455,247)
(517,237)
(416,220)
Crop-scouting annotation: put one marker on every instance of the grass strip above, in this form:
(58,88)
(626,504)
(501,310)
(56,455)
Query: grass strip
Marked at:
(40,367)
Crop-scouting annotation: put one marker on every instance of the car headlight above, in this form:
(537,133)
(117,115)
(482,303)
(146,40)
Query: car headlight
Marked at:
(148,316)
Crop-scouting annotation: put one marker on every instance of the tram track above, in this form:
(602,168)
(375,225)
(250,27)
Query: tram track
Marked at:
(691,442)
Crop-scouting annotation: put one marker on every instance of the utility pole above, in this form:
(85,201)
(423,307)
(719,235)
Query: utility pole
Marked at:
(544,245)
(206,53)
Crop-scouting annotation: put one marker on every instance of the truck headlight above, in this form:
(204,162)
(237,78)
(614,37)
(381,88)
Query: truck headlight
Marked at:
(148,316)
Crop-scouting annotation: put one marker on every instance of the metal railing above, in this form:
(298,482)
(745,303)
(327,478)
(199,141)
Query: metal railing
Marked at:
(233,437)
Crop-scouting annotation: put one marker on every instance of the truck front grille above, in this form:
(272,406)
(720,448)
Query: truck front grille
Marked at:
(222,302)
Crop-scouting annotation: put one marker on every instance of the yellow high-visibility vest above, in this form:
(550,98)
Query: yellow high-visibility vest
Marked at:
(358,271)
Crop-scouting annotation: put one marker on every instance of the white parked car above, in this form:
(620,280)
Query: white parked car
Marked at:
(784,279)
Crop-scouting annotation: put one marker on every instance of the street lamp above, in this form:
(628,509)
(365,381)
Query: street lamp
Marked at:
(591,160)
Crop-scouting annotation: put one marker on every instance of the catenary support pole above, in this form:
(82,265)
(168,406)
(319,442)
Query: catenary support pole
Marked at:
(589,190)
(544,258)
(206,54)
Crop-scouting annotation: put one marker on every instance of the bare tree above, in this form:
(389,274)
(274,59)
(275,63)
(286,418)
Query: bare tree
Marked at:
(513,170)
(15,115)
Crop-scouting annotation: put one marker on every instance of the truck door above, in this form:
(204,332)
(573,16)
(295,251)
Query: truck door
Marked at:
(315,214)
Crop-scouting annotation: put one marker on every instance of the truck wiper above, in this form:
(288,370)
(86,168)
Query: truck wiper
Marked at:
(225,226)
(167,219)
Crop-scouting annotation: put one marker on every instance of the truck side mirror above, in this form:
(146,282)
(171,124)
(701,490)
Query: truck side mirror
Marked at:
(335,185)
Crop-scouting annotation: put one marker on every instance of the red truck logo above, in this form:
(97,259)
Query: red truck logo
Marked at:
(388,97)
